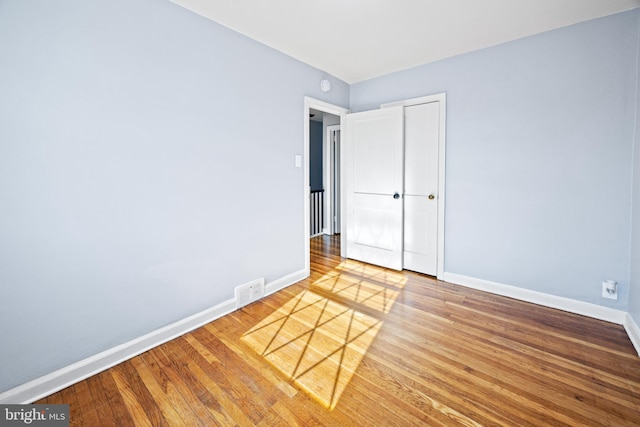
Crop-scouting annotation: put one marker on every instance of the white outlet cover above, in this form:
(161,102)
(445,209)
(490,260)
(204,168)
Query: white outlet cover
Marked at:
(606,294)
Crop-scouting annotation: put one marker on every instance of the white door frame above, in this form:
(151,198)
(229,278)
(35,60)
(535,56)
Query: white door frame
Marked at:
(442,99)
(325,107)
(329,173)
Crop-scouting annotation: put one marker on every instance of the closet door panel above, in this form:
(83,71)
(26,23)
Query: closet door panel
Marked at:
(421,187)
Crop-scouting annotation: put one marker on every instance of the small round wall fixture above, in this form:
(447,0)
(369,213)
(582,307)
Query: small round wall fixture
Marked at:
(325,85)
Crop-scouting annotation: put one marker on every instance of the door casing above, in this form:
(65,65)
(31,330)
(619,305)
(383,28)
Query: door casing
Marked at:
(331,179)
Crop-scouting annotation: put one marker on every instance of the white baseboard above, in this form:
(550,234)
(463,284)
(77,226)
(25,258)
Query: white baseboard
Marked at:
(547,300)
(62,378)
(633,331)
(69,375)
(285,281)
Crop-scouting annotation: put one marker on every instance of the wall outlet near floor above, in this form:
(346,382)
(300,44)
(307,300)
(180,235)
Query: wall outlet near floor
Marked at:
(249,292)
(610,289)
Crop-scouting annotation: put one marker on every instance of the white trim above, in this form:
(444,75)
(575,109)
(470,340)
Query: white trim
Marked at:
(546,300)
(71,374)
(633,331)
(62,378)
(343,196)
(416,101)
(285,281)
(442,99)
(306,190)
(328,181)
(441,180)
(325,107)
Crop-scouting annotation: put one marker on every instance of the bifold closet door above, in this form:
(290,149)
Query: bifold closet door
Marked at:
(421,123)
(374,174)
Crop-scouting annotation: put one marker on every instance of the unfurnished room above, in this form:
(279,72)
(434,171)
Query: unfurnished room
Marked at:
(338,213)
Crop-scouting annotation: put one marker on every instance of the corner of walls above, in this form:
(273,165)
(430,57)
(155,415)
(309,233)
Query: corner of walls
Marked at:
(633,316)
(633,330)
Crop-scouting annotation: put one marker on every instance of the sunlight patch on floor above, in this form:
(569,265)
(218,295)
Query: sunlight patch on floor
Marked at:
(318,341)
(375,287)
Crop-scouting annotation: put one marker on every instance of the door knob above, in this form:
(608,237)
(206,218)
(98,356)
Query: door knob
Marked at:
(431,197)
(396,196)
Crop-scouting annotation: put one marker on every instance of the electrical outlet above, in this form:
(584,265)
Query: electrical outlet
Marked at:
(610,289)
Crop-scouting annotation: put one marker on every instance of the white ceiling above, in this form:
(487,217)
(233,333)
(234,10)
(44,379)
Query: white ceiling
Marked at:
(355,40)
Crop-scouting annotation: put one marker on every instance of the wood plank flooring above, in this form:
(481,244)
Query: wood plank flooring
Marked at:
(356,344)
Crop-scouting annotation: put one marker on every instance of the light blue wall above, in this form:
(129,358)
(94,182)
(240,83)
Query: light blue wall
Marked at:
(634,291)
(539,144)
(133,190)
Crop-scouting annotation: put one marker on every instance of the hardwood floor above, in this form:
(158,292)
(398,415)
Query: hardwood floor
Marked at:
(356,344)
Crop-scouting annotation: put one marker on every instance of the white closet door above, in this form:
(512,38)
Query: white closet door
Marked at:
(374,186)
(421,124)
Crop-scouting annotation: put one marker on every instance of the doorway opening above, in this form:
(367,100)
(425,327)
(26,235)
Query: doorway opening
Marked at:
(324,173)
(322,170)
